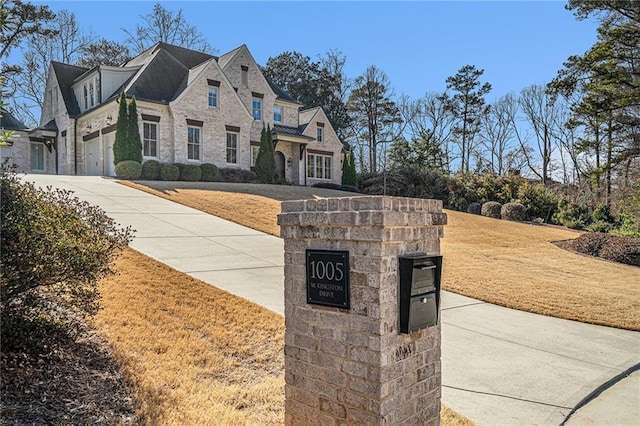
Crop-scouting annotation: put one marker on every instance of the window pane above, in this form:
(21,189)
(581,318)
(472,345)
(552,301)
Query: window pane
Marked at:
(213,97)
(257,108)
(193,143)
(232,148)
(310,167)
(254,155)
(327,167)
(37,156)
(245,77)
(319,134)
(277,114)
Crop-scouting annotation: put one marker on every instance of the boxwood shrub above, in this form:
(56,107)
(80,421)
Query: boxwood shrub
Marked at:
(151,170)
(128,169)
(474,208)
(169,172)
(209,172)
(492,209)
(191,173)
(513,211)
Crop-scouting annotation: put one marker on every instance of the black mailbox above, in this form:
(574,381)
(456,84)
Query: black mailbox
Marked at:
(419,291)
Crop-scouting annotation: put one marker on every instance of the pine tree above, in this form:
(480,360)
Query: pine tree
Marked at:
(265,163)
(120,144)
(349,176)
(134,145)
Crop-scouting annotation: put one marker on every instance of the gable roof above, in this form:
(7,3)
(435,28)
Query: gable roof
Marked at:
(226,58)
(66,74)
(279,91)
(161,80)
(306,116)
(187,57)
(9,122)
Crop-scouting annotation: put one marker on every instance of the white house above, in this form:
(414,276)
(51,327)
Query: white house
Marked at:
(193,108)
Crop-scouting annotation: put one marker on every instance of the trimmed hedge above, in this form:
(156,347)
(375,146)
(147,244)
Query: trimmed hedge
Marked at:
(180,167)
(513,211)
(492,209)
(191,173)
(169,172)
(474,208)
(237,176)
(128,169)
(209,171)
(151,170)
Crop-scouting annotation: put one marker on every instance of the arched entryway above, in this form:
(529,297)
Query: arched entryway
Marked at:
(280,164)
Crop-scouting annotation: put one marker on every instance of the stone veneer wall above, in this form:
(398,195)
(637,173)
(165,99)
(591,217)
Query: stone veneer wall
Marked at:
(353,367)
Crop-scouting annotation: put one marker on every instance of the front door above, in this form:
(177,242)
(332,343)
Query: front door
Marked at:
(109,167)
(94,162)
(280,165)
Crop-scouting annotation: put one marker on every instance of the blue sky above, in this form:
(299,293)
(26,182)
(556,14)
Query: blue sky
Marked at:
(417,43)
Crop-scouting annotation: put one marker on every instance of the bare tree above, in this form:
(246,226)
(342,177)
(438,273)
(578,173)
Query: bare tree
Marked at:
(374,116)
(163,25)
(497,136)
(64,44)
(540,112)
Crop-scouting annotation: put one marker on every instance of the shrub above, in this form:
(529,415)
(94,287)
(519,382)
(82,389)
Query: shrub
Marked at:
(491,209)
(610,247)
(169,172)
(54,246)
(209,172)
(628,226)
(328,185)
(350,188)
(349,176)
(572,215)
(180,167)
(539,200)
(513,211)
(151,170)
(237,175)
(474,208)
(265,167)
(602,220)
(191,173)
(128,169)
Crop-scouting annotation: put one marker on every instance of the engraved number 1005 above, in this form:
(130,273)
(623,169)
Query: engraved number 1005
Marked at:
(327,270)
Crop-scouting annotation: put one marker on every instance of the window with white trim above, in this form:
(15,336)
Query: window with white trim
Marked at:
(213,97)
(193,143)
(257,108)
(319,134)
(92,95)
(37,156)
(255,150)
(232,148)
(277,114)
(319,166)
(86,96)
(150,139)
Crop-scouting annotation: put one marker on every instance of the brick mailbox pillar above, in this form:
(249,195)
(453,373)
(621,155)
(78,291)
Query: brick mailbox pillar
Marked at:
(346,361)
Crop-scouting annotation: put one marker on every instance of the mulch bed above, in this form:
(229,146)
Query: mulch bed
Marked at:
(68,378)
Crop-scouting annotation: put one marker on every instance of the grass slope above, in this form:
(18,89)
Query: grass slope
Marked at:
(505,263)
(194,354)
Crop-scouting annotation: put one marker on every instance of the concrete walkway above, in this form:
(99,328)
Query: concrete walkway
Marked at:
(499,366)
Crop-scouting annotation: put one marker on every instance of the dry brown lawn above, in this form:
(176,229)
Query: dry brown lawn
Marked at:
(509,264)
(194,354)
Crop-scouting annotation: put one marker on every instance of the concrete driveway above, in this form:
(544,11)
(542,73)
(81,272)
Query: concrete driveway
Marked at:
(499,366)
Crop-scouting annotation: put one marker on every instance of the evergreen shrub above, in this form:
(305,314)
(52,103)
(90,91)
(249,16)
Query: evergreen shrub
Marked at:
(474,208)
(191,173)
(169,172)
(513,211)
(180,167)
(228,174)
(151,170)
(209,172)
(491,209)
(571,215)
(128,169)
